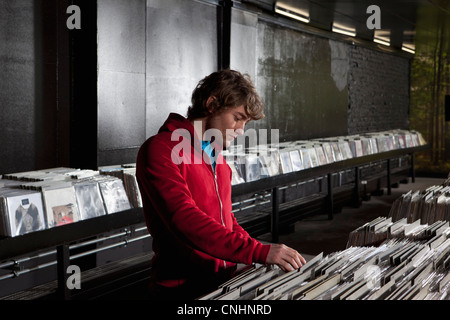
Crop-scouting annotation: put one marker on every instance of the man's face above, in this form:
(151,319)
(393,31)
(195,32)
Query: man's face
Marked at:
(230,123)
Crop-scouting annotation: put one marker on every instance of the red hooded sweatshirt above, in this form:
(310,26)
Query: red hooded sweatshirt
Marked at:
(187,207)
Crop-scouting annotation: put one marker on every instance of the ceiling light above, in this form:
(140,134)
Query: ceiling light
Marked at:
(382,37)
(343,29)
(291,12)
(409,49)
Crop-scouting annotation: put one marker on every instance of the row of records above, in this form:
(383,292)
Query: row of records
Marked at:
(397,269)
(59,196)
(257,162)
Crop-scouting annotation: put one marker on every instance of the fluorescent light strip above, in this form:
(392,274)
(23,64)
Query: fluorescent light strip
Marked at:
(291,14)
(408,50)
(382,37)
(381,41)
(343,30)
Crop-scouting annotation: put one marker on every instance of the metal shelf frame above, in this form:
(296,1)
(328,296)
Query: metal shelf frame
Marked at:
(274,183)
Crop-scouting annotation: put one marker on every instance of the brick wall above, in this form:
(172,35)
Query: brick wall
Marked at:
(378,91)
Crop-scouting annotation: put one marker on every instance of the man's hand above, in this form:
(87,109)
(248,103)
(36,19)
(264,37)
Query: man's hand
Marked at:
(285,257)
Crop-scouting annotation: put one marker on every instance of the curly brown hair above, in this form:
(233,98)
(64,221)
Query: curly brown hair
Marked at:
(230,89)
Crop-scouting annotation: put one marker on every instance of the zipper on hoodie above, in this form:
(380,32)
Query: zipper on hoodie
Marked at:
(218,197)
(220,203)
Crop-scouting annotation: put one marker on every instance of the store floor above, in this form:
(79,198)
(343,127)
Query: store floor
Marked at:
(318,234)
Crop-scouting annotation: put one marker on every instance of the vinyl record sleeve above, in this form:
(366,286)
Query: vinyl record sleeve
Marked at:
(313,156)
(25,213)
(382,144)
(373,146)
(328,152)
(264,167)
(286,164)
(306,160)
(60,206)
(336,151)
(252,168)
(346,149)
(132,188)
(365,142)
(296,160)
(89,200)
(343,151)
(358,148)
(352,145)
(321,158)
(273,162)
(236,178)
(114,195)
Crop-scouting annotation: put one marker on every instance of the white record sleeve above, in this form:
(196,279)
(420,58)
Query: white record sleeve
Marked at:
(89,200)
(296,160)
(26,213)
(114,195)
(321,158)
(313,157)
(286,165)
(235,176)
(60,206)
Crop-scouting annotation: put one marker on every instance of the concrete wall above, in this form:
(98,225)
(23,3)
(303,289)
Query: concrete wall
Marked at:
(378,91)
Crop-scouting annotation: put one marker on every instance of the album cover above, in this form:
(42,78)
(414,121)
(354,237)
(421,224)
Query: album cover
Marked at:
(401,140)
(4,218)
(321,158)
(24,213)
(5,225)
(114,195)
(352,146)
(296,161)
(422,140)
(263,167)
(286,164)
(383,143)
(396,140)
(273,160)
(132,188)
(373,146)
(389,142)
(252,169)
(350,153)
(415,139)
(89,200)
(60,205)
(337,154)
(313,157)
(365,142)
(328,152)
(358,148)
(269,165)
(306,160)
(409,142)
(236,178)
(345,150)
(341,146)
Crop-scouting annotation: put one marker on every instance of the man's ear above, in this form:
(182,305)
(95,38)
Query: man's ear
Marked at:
(210,103)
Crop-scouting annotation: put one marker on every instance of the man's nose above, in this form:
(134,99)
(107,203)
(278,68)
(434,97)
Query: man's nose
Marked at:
(239,131)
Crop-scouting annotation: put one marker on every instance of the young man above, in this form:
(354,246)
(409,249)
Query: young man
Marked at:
(185,185)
